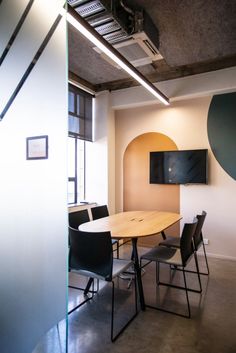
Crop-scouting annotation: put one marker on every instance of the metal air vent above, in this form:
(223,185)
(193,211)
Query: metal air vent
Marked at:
(117,36)
(75,2)
(139,50)
(108,28)
(97,21)
(131,32)
(89,9)
(150,47)
(106,17)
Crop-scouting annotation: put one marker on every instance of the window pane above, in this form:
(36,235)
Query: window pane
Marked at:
(80,130)
(71,157)
(71,102)
(80,169)
(80,105)
(74,124)
(71,192)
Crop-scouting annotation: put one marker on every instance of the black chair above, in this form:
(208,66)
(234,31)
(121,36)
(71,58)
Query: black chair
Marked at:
(174,242)
(91,256)
(77,218)
(177,258)
(100,212)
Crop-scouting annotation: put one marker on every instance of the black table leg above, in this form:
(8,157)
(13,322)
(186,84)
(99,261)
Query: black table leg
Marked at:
(138,273)
(163,235)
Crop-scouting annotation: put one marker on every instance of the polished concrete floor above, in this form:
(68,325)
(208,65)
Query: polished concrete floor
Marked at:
(212,327)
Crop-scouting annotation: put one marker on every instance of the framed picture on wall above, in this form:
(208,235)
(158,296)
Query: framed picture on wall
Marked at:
(37,147)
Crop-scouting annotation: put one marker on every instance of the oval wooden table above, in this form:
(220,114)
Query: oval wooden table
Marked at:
(133,225)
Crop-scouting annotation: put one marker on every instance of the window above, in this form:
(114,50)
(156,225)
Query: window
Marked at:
(80,113)
(80,130)
(76,170)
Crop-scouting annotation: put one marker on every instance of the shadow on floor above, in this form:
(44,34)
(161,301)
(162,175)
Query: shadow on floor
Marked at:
(211,328)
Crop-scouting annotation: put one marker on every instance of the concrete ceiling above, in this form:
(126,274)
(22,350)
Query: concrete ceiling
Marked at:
(195,37)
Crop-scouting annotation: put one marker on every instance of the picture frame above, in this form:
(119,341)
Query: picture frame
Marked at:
(37,147)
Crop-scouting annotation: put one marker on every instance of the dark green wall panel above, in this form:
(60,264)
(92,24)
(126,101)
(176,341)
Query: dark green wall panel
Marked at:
(221,126)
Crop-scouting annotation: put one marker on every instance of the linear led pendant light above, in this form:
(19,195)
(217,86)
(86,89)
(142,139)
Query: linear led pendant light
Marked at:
(91,34)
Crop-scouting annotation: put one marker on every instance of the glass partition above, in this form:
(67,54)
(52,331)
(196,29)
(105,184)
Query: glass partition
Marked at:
(33,202)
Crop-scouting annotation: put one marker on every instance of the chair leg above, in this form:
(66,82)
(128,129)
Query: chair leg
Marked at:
(86,291)
(181,287)
(173,286)
(78,306)
(113,338)
(204,250)
(157,273)
(112,311)
(186,292)
(198,273)
(90,282)
(191,271)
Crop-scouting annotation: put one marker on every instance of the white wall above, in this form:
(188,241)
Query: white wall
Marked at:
(185,122)
(100,159)
(111,159)
(33,202)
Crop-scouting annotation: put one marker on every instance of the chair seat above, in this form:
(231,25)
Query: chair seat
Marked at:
(164,254)
(171,242)
(119,266)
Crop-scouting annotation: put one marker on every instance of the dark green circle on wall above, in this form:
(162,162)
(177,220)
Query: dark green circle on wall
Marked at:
(221,127)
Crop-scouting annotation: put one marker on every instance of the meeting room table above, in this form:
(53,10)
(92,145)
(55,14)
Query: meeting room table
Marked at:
(134,225)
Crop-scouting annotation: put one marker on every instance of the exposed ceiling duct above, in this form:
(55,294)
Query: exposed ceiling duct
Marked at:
(131,32)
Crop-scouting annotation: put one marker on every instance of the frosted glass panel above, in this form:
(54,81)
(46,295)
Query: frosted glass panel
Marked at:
(33,202)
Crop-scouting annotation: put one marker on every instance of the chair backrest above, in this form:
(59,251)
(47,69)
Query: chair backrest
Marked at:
(99,212)
(91,253)
(186,241)
(77,218)
(198,238)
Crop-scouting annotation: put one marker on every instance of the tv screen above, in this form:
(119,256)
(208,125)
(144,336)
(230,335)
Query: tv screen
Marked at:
(178,167)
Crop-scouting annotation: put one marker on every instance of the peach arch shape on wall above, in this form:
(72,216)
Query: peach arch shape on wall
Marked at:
(138,193)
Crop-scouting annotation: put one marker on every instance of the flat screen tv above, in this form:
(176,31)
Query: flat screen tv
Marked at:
(178,167)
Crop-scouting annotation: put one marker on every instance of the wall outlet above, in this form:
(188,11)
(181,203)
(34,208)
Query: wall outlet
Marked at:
(206,241)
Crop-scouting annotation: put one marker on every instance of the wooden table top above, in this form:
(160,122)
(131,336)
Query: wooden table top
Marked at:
(132,224)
